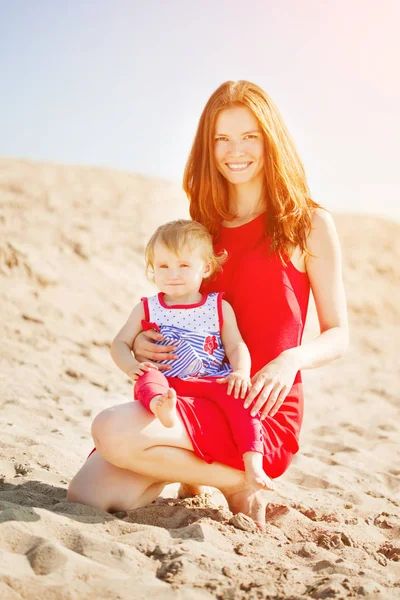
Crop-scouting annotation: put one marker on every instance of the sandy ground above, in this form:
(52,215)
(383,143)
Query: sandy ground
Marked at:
(71,268)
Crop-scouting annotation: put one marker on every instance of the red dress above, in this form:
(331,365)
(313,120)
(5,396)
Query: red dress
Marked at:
(270,302)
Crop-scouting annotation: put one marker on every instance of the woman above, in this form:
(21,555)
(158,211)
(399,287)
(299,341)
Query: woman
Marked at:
(246,184)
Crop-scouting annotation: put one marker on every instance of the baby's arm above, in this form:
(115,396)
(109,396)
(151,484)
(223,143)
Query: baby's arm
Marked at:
(235,348)
(121,347)
(236,352)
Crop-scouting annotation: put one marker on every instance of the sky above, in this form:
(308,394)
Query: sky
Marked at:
(122,84)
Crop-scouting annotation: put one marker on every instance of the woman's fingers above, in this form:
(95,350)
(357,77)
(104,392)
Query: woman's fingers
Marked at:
(280,400)
(149,355)
(158,349)
(254,391)
(159,354)
(152,334)
(270,401)
(164,367)
(261,400)
(222,380)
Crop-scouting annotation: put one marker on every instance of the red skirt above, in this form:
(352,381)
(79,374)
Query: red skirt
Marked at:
(212,438)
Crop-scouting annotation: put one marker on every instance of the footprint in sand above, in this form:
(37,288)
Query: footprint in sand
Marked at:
(335,539)
(338,566)
(333,446)
(391,551)
(353,428)
(311,481)
(46,557)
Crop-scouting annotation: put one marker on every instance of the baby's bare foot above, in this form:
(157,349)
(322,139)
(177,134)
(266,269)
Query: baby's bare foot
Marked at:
(259,479)
(164,408)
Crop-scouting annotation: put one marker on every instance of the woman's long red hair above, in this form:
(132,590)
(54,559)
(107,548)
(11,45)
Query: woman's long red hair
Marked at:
(287,197)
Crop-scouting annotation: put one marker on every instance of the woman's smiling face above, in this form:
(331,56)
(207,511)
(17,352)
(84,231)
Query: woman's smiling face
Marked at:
(239,145)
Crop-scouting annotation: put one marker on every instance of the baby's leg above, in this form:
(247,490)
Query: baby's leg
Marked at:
(247,432)
(255,474)
(153,391)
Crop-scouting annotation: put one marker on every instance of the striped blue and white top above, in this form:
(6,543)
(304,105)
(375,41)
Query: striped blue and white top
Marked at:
(195,330)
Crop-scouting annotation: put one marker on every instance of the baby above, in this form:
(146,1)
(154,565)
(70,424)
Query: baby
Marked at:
(203,330)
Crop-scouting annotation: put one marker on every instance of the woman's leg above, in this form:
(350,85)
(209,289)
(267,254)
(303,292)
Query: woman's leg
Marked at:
(128,437)
(109,488)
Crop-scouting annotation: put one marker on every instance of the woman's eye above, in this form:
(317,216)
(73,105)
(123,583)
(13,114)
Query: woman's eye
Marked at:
(251,136)
(221,139)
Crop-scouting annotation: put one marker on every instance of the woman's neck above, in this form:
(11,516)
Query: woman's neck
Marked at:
(246,201)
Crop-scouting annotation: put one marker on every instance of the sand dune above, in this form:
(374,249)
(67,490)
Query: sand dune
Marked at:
(71,268)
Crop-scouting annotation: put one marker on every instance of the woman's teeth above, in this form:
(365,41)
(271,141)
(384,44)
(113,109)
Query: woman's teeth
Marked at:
(238,166)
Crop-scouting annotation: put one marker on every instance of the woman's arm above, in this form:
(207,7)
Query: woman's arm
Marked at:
(324,268)
(121,347)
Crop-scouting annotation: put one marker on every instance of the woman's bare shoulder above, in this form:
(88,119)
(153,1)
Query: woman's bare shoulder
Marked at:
(322,218)
(323,230)
(323,245)
(322,234)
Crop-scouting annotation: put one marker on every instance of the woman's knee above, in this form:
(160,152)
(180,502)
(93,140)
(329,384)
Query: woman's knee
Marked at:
(116,429)
(103,426)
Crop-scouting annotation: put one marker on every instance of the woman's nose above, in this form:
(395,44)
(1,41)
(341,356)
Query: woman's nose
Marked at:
(237,148)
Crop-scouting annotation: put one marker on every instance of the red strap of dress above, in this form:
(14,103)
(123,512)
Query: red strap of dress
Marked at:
(146,326)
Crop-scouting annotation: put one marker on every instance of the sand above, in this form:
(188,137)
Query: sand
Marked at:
(71,268)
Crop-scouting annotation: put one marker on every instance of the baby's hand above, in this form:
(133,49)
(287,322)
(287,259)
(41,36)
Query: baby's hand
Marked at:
(239,381)
(141,368)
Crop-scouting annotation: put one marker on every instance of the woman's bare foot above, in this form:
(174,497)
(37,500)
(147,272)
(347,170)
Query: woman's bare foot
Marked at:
(189,491)
(249,501)
(164,408)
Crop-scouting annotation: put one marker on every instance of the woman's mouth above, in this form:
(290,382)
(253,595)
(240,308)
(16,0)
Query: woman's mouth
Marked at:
(238,166)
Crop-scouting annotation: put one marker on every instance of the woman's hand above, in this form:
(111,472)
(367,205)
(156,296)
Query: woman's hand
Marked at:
(239,381)
(145,349)
(272,383)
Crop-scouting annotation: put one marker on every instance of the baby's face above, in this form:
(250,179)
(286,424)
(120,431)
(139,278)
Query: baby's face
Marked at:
(179,274)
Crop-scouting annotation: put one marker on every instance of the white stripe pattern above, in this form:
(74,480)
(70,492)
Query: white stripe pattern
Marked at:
(195,331)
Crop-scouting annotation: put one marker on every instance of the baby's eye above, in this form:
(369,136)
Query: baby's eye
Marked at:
(184,266)
(163,267)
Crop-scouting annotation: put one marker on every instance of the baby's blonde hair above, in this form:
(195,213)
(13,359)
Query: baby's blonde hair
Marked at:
(177,234)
